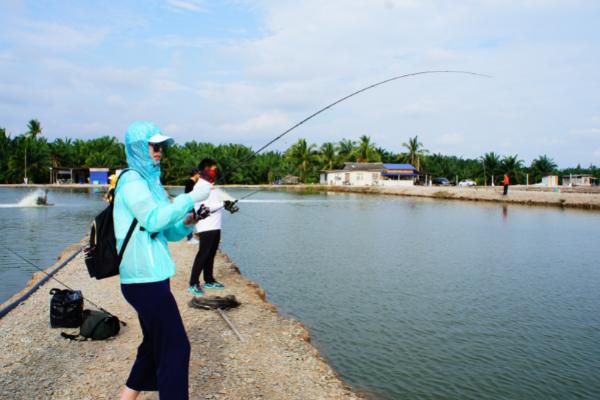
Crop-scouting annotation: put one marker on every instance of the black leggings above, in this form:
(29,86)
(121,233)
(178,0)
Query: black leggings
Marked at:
(163,358)
(204,261)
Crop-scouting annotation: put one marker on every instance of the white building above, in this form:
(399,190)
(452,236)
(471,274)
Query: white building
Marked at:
(579,180)
(370,174)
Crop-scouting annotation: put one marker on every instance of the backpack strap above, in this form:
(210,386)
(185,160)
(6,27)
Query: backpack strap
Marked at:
(72,337)
(127,237)
(133,223)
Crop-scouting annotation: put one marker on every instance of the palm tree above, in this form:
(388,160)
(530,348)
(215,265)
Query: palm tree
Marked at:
(491,165)
(303,156)
(35,128)
(328,155)
(542,166)
(345,150)
(512,166)
(366,151)
(415,151)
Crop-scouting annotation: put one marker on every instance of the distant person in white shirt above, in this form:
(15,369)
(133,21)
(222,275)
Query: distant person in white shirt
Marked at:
(209,229)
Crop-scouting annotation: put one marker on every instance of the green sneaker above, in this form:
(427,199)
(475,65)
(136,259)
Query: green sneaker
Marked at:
(214,285)
(196,290)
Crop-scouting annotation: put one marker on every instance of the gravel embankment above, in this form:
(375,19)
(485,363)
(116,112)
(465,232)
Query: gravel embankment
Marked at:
(275,361)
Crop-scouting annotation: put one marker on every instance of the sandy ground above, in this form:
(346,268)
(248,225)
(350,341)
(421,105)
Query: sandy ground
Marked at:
(275,360)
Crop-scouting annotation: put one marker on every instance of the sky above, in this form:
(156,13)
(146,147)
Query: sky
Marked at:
(242,71)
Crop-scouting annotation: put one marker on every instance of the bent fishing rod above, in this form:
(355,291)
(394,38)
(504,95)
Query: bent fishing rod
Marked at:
(56,279)
(256,152)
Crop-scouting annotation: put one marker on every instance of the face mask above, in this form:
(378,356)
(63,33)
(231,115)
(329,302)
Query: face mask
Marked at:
(212,173)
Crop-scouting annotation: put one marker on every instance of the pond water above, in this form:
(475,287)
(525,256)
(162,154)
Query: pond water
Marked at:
(406,298)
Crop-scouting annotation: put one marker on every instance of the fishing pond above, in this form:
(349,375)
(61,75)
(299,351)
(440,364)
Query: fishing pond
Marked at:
(406,298)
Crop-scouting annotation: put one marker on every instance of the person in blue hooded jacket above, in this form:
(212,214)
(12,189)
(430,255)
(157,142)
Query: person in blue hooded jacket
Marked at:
(162,361)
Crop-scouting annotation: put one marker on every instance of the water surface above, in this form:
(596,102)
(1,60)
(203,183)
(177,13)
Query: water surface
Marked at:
(407,298)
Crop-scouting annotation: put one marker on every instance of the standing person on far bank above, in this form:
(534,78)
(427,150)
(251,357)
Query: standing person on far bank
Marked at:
(162,361)
(505,183)
(189,186)
(209,229)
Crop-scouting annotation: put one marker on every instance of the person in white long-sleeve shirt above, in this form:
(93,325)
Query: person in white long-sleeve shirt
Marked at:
(209,230)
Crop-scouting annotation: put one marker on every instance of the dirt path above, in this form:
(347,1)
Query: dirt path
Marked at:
(276,360)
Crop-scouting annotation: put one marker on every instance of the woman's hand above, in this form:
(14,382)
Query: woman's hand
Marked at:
(190,219)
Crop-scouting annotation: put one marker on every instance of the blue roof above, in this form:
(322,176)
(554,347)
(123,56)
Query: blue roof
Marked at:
(400,174)
(398,166)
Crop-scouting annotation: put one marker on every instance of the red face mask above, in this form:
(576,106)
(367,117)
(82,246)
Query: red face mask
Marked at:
(209,175)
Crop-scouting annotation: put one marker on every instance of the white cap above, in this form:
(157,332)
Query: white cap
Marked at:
(158,138)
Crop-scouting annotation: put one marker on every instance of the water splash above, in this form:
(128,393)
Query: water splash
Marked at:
(28,201)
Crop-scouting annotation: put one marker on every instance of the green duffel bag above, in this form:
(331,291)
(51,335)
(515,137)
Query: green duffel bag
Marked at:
(97,325)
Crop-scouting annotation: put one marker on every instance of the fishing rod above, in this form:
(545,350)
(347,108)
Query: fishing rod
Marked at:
(57,280)
(327,107)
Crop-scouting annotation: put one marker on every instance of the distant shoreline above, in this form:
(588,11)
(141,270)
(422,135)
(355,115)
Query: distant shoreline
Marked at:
(587,198)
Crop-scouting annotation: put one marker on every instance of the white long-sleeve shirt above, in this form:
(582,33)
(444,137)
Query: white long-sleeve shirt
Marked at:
(216,201)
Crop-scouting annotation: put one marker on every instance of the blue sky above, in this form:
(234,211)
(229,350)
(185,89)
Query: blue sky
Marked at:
(244,71)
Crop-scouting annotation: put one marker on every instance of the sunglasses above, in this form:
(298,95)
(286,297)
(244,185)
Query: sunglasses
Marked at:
(159,147)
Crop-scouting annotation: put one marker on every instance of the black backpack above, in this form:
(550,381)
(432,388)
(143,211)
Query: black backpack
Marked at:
(101,257)
(97,325)
(66,308)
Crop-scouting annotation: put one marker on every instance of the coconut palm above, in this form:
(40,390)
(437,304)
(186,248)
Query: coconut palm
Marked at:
(542,166)
(62,153)
(415,151)
(303,156)
(512,166)
(35,129)
(491,165)
(366,150)
(328,155)
(345,150)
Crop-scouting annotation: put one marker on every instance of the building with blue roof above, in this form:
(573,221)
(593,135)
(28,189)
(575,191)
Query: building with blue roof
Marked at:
(371,174)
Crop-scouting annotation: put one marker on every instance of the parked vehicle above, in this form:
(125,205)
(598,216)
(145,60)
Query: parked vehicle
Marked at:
(441,181)
(467,182)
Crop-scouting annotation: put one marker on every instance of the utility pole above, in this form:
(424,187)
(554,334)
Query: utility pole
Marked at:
(25,161)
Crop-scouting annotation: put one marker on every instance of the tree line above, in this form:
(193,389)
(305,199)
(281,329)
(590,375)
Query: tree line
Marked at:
(31,155)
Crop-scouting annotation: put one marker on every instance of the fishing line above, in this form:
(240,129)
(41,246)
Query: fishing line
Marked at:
(56,279)
(256,152)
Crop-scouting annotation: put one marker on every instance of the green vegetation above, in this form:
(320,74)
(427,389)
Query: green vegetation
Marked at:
(30,154)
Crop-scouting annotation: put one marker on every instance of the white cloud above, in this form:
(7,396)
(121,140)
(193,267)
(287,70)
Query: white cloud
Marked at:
(187,5)
(46,36)
(269,121)
(201,83)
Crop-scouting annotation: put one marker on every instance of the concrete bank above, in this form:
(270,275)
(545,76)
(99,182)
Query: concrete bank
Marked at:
(276,360)
(580,198)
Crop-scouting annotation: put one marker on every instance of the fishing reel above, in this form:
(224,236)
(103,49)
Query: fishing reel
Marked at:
(230,206)
(201,213)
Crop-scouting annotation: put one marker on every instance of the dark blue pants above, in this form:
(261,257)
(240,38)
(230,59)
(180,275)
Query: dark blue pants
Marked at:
(163,358)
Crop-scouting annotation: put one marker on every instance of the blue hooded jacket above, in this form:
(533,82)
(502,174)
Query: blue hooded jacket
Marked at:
(140,194)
